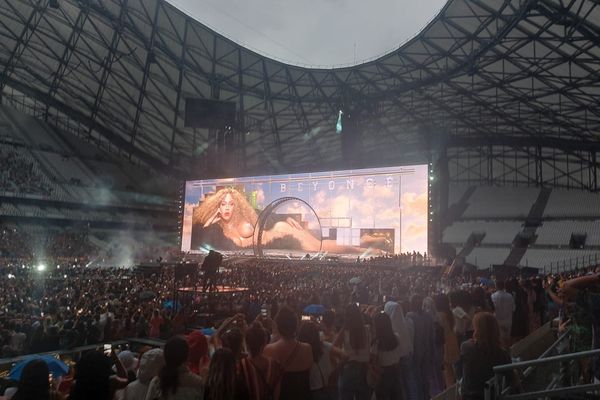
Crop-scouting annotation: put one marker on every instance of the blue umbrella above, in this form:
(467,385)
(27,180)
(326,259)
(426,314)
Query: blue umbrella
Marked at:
(57,367)
(170,305)
(208,331)
(315,309)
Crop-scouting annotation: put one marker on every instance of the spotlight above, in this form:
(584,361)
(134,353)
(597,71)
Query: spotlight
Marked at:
(41,267)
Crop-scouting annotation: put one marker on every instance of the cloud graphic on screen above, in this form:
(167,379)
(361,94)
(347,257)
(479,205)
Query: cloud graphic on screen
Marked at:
(413,204)
(260,196)
(415,230)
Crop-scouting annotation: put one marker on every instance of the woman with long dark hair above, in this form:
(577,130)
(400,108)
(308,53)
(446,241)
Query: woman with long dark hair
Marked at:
(480,355)
(222,382)
(354,339)
(323,355)
(295,357)
(262,375)
(34,383)
(386,353)
(94,378)
(451,351)
(175,381)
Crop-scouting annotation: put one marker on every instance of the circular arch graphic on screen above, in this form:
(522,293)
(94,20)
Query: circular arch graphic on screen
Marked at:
(269,215)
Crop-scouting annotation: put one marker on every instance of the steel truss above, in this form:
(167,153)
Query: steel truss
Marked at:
(511,86)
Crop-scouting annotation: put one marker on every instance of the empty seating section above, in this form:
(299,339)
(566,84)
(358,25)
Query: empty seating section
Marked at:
(455,193)
(559,232)
(570,258)
(484,257)
(501,202)
(579,204)
(496,232)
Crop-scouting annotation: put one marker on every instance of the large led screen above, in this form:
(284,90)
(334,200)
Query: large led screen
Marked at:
(364,212)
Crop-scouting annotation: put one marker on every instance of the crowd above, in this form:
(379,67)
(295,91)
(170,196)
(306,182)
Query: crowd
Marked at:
(19,175)
(394,334)
(58,245)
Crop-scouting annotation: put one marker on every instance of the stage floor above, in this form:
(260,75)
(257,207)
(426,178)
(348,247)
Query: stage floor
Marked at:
(220,289)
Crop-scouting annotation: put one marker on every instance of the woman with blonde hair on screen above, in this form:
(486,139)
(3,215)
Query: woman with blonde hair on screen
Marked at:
(226,220)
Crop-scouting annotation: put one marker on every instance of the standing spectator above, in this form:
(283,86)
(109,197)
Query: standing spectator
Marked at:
(436,380)
(222,382)
(94,379)
(198,357)
(175,381)
(295,357)
(155,322)
(386,354)
(423,346)
(355,339)
(520,325)
(151,363)
(480,355)
(504,307)
(451,350)
(261,374)
(323,355)
(403,327)
(462,320)
(34,384)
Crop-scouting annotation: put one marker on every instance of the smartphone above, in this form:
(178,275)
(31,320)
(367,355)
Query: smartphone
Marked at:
(305,318)
(107,349)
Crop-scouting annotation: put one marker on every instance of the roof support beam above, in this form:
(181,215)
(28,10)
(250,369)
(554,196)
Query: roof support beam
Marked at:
(68,52)
(27,33)
(107,63)
(181,64)
(150,58)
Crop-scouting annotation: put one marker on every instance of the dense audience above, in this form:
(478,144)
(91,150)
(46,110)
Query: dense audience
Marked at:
(58,245)
(384,332)
(19,175)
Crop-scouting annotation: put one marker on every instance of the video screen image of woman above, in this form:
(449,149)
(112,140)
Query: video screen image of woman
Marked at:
(363,212)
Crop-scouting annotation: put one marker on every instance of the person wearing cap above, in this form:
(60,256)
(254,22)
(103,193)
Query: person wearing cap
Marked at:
(149,366)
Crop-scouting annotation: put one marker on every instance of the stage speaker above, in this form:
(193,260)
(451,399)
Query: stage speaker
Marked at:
(184,269)
(207,113)
(212,262)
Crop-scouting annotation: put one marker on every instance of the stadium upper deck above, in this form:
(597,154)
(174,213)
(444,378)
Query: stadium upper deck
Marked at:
(483,72)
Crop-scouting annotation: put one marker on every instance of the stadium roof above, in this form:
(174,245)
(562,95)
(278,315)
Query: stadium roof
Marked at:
(483,71)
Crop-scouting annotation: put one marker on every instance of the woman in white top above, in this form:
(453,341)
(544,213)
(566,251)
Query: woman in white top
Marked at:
(386,354)
(355,340)
(323,355)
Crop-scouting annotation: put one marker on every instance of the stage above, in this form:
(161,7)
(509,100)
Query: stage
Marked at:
(221,289)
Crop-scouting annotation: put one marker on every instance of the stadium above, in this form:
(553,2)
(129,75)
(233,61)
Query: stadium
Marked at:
(173,198)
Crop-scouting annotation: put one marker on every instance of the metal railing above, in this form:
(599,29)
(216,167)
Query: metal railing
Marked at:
(584,261)
(498,389)
(7,363)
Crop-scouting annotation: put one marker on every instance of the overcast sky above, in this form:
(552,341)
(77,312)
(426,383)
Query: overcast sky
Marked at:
(315,32)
